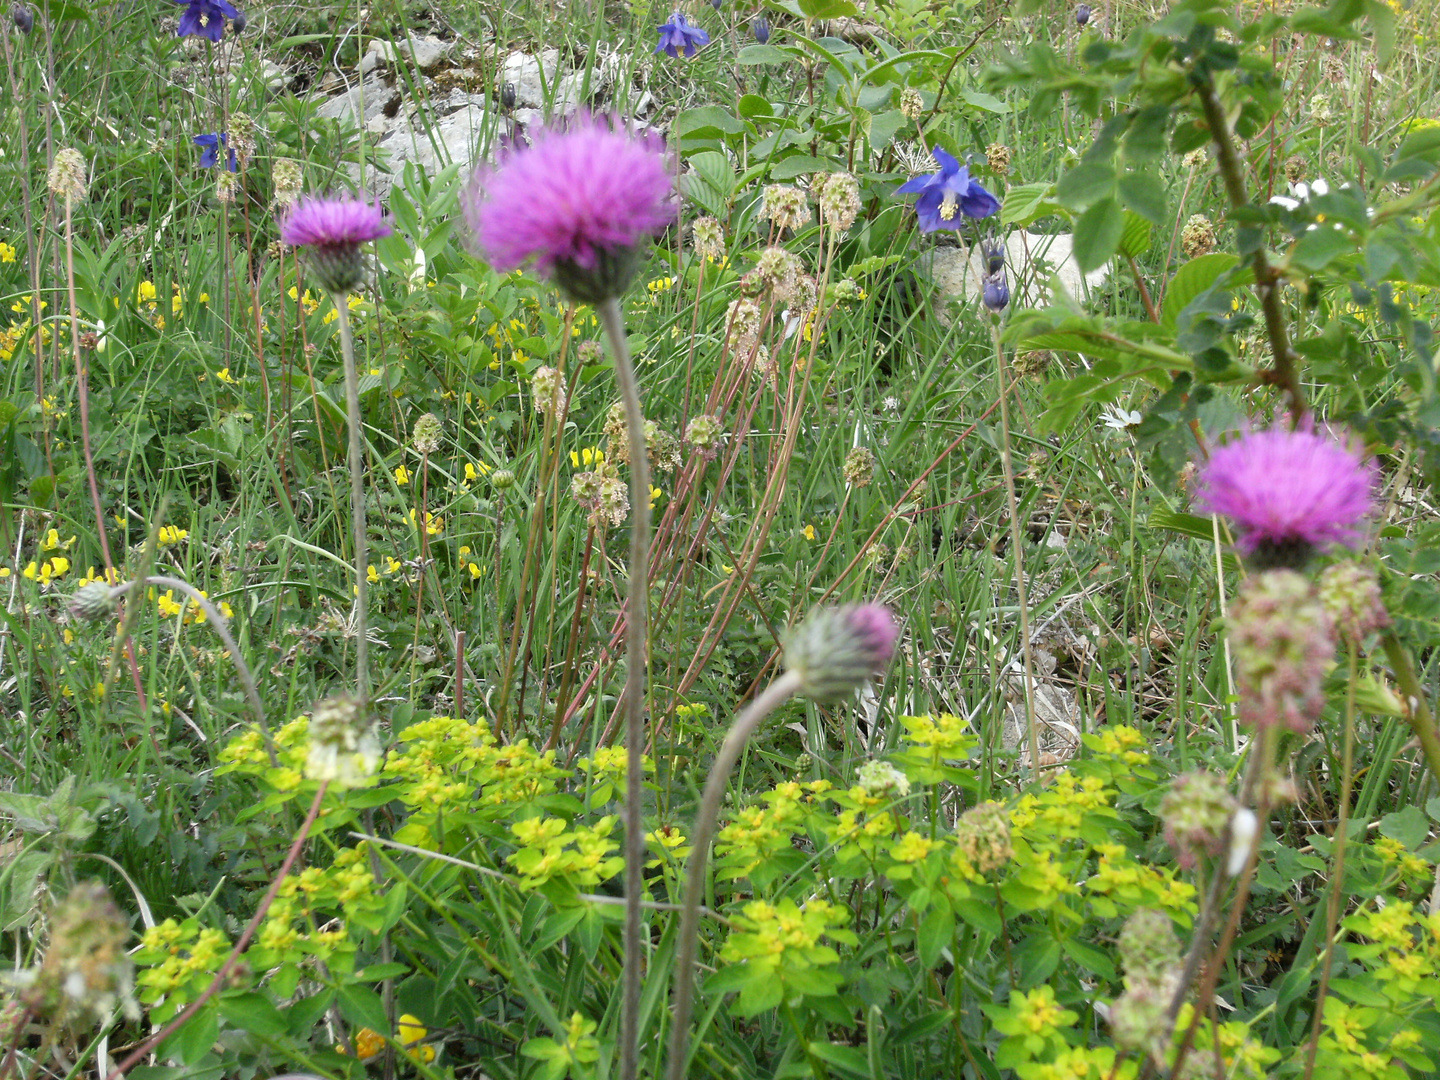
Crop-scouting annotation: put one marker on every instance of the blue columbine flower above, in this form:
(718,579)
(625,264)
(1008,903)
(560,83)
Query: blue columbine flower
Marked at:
(996,292)
(948,196)
(210,151)
(678,36)
(761,29)
(205,18)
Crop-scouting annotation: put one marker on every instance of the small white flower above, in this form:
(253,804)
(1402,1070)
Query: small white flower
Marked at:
(1243,827)
(1120,419)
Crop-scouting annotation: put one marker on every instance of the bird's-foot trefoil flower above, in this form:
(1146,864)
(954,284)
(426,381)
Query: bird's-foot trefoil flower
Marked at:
(949,196)
(677,36)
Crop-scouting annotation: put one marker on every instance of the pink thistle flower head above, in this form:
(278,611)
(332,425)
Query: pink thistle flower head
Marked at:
(1289,492)
(580,202)
(334,229)
(836,649)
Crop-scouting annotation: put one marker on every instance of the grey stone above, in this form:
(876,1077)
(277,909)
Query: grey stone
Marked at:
(378,99)
(1033,262)
(426,53)
(451,138)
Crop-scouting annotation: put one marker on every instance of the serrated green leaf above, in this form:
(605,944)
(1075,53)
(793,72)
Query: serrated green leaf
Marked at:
(1026,203)
(1097,234)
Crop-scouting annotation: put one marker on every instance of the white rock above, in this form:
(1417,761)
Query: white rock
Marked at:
(426,53)
(524,71)
(1032,262)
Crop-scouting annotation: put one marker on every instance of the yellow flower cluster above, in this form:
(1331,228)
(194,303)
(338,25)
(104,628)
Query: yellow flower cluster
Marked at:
(410,1033)
(175,962)
(45,571)
(549,848)
(784,938)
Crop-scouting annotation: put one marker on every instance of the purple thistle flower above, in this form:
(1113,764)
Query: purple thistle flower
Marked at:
(209,154)
(948,196)
(1288,492)
(580,202)
(836,649)
(678,36)
(334,229)
(205,18)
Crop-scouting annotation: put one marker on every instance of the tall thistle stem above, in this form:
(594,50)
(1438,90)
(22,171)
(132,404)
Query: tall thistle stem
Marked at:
(354,422)
(636,667)
(774,695)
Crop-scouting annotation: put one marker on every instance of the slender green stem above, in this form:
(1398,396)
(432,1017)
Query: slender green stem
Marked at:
(636,666)
(357,502)
(1417,704)
(1002,374)
(769,700)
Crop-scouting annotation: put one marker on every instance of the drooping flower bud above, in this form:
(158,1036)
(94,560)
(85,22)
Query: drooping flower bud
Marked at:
(760,27)
(93,601)
(24,18)
(836,650)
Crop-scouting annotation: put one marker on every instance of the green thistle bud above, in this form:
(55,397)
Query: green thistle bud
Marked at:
(92,602)
(502,479)
(836,650)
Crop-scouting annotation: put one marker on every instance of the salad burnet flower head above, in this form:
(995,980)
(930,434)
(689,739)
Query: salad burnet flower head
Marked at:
(580,201)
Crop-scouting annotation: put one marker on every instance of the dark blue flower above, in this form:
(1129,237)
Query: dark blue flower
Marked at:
(948,196)
(1082,14)
(761,29)
(994,253)
(678,36)
(205,18)
(210,151)
(996,292)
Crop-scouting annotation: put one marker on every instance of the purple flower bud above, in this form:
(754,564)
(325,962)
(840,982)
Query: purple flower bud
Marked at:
(760,27)
(836,649)
(239,22)
(1082,14)
(996,294)
(24,18)
(507,96)
(994,252)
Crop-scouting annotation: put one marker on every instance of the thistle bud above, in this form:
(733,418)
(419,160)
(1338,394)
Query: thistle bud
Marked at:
(93,601)
(425,436)
(836,650)
(502,479)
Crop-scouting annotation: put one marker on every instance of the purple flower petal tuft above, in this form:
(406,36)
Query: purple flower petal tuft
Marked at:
(333,223)
(582,198)
(1287,488)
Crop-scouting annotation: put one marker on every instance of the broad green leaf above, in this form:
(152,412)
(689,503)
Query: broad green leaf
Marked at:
(753,55)
(1408,825)
(937,930)
(1190,281)
(707,122)
(800,165)
(255,1013)
(1027,203)
(985,102)
(1143,193)
(1086,184)
(845,1058)
(1135,240)
(1317,248)
(828,9)
(1097,234)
